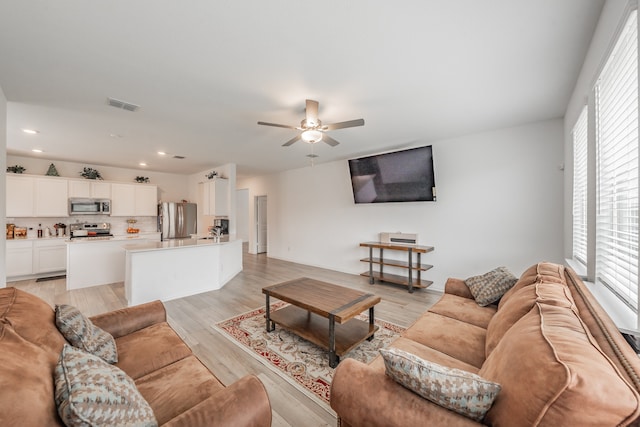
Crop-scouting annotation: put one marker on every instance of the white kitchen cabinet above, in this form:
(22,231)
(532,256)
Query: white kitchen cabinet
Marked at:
(134,200)
(49,256)
(123,200)
(215,197)
(29,196)
(51,197)
(20,196)
(89,189)
(19,258)
(146,200)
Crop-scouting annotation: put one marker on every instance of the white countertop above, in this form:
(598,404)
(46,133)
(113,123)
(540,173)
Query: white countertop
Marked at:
(178,243)
(22,239)
(117,238)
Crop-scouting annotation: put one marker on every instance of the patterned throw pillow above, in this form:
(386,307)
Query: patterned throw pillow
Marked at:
(463,392)
(90,392)
(490,287)
(83,334)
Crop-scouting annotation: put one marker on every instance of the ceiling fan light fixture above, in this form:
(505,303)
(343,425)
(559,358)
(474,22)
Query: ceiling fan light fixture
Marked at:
(311,136)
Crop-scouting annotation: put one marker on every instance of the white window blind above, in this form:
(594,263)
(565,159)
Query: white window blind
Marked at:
(580,188)
(617,167)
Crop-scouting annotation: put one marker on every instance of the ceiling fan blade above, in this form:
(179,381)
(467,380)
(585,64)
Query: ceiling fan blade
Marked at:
(291,141)
(332,142)
(277,125)
(312,111)
(342,125)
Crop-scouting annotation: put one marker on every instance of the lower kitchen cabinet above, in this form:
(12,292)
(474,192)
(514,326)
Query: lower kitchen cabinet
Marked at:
(33,257)
(19,258)
(49,256)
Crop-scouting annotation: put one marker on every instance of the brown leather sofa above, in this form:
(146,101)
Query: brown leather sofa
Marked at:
(557,355)
(179,388)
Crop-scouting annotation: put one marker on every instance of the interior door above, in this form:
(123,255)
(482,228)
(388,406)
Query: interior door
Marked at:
(261,224)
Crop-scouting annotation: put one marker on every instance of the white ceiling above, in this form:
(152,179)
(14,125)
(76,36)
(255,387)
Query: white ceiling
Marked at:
(205,71)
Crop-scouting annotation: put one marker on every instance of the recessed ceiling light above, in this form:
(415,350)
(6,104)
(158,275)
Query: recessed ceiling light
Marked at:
(142,164)
(37,150)
(115,135)
(162,153)
(30,131)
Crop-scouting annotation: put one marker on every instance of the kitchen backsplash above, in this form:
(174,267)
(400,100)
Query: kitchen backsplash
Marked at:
(146,224)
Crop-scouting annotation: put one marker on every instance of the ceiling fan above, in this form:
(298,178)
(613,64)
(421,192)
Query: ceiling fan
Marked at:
(312,128)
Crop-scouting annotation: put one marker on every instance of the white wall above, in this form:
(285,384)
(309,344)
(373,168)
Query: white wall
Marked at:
(242,214)
(602,42)
(171,187)
(500,198)
(3,196)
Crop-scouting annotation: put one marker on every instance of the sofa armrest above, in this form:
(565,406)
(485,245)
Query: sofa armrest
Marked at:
(364,396)
(243,403)
(457,287)
(127,320)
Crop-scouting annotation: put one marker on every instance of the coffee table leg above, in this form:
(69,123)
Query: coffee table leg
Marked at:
(371,322)
(333,357)
(270,325)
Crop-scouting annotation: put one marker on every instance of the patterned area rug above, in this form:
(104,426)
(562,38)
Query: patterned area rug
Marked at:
(300,362)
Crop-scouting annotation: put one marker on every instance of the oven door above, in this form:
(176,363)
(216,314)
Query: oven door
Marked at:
(84,207)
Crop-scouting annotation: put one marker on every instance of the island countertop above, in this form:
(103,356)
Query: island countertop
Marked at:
(177,243)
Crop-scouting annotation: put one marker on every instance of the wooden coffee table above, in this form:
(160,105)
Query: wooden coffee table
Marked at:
(312,303)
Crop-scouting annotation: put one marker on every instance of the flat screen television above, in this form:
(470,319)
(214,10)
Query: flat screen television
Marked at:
(399,176)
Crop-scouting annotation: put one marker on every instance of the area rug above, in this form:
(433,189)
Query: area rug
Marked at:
(300,362)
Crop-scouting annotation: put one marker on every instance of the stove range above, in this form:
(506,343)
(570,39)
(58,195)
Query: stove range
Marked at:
(91,230)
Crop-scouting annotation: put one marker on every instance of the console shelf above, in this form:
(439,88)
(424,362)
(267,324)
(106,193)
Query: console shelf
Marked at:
(410,265)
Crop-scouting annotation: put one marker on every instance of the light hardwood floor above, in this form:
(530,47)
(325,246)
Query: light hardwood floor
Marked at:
(193,316)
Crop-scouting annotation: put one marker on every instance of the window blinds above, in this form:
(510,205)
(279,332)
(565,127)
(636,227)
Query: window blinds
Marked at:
(580,188)
(617,167)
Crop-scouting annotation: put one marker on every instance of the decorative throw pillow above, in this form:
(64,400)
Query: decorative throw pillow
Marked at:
(90,392)
(460,391)
(83,334)
(489,287)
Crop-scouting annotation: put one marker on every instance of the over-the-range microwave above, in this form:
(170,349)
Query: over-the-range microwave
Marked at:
(89,207)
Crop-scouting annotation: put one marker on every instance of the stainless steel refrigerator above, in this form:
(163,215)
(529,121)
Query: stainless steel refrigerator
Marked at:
(177,220)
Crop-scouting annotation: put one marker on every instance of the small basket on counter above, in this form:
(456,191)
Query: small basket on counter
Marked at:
(130,228)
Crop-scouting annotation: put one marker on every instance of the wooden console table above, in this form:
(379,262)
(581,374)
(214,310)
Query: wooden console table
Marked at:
(408,280)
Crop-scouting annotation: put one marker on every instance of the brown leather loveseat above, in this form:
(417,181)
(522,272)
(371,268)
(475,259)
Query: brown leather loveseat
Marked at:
(180,390)
(558,357)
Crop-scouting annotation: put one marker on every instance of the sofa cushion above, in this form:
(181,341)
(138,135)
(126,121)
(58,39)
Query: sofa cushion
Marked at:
(425,352)
(458,339)
(489,287)
(149,349)
(542,271)
(33,320)
(90,392)
(464,309)
(26,382)
(178,387)
(82,334)
(520,303)
(463,392)
(553,373)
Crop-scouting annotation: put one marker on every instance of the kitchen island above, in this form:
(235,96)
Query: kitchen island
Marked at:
(178,268)
(93,262)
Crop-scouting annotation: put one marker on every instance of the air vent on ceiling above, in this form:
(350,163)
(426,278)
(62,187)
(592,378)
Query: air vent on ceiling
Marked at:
(178,157)
(122,105)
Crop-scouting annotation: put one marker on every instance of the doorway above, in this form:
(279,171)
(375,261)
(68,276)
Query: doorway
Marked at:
(261,224)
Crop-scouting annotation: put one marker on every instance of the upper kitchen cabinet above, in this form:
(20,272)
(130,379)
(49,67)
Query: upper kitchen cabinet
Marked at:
(29,196)
(51,197)
(20,196)
(134,200)
(89,189)
(215,197)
